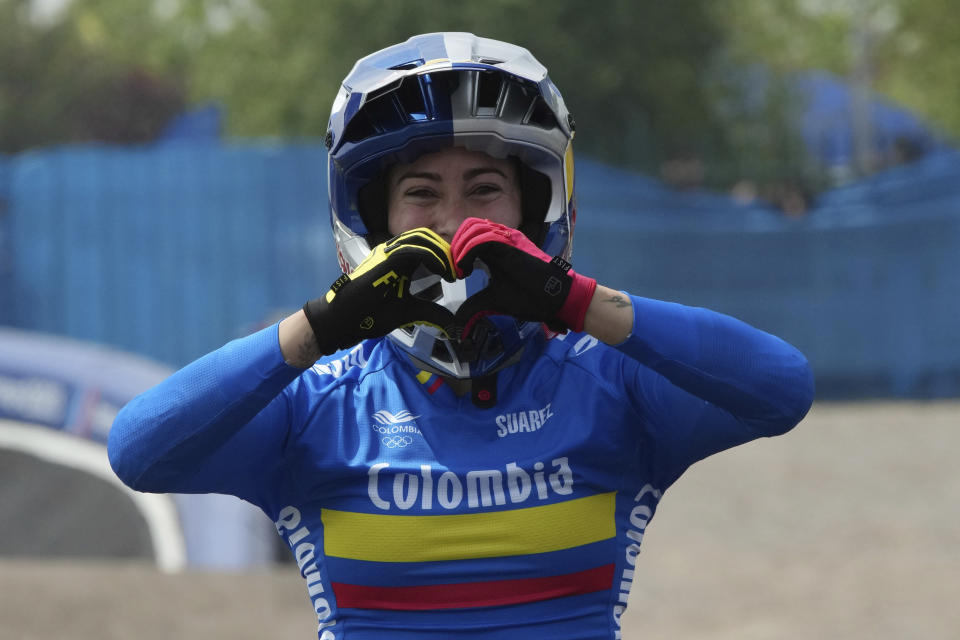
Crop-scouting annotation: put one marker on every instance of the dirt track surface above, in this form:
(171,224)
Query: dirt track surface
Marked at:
(846,528)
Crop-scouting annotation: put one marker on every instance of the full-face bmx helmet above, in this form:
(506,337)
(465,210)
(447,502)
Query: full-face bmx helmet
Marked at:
(432,92)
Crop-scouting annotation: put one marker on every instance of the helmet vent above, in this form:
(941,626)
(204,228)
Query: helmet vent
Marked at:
(489,91)
(392,108)
(441,353)
(384,90)
(359,128)
(490,61)
(409,101)
(406,66)
(542,116)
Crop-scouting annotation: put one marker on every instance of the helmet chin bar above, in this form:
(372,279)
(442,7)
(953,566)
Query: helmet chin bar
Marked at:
(430,351)
(453,358)
(427,345)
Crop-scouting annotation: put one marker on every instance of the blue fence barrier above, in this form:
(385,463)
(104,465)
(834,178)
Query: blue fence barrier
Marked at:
(6,251)
(171,250)
(166,251)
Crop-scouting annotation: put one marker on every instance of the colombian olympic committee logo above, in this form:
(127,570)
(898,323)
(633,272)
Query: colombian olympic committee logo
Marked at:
(396,429)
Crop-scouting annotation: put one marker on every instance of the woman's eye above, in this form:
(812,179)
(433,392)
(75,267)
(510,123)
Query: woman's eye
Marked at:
(420,193)
(485,190)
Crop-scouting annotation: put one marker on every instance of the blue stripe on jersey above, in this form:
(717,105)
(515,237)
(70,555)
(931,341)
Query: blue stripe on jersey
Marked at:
(511,567)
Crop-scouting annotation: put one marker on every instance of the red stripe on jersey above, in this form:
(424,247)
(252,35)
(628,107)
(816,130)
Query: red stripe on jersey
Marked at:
(473,594)
(436,385)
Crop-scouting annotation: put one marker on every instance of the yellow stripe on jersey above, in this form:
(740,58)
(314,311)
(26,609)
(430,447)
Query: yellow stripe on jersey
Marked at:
(394,538)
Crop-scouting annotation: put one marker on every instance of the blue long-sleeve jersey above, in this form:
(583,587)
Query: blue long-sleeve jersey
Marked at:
(414,514)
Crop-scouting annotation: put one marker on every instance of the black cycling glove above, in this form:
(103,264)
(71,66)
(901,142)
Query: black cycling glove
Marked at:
(525,282)
(375,298)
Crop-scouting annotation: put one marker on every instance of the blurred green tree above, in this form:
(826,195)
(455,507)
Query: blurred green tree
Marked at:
(56,89)
(908,49)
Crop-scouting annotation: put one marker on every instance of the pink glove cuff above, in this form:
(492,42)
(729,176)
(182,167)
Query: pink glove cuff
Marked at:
(574,309)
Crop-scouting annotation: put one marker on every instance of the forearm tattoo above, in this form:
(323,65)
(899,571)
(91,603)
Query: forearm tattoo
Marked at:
(618,300)
(308,352)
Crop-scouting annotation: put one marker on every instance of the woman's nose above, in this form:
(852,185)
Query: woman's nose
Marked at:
(449,217)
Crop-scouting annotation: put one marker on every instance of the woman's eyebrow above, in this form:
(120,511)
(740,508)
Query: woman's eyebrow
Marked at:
(426,175)
(469,174)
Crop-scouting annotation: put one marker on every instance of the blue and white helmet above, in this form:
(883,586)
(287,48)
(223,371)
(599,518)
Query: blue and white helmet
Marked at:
(442,90)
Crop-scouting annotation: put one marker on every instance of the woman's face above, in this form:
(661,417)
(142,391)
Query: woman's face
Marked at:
(439,190)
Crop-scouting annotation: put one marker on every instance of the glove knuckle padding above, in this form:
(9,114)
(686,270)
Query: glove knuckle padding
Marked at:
(525,282)
(375,298)
(430,247)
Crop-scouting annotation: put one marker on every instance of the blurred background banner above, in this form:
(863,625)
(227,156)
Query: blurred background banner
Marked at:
(58,496)
(172,249)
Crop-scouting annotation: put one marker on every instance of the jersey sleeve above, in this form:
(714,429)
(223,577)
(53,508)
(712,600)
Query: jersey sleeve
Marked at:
(710,382)
(219,425)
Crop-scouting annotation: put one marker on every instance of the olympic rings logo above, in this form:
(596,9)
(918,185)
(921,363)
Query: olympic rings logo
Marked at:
(397,442)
